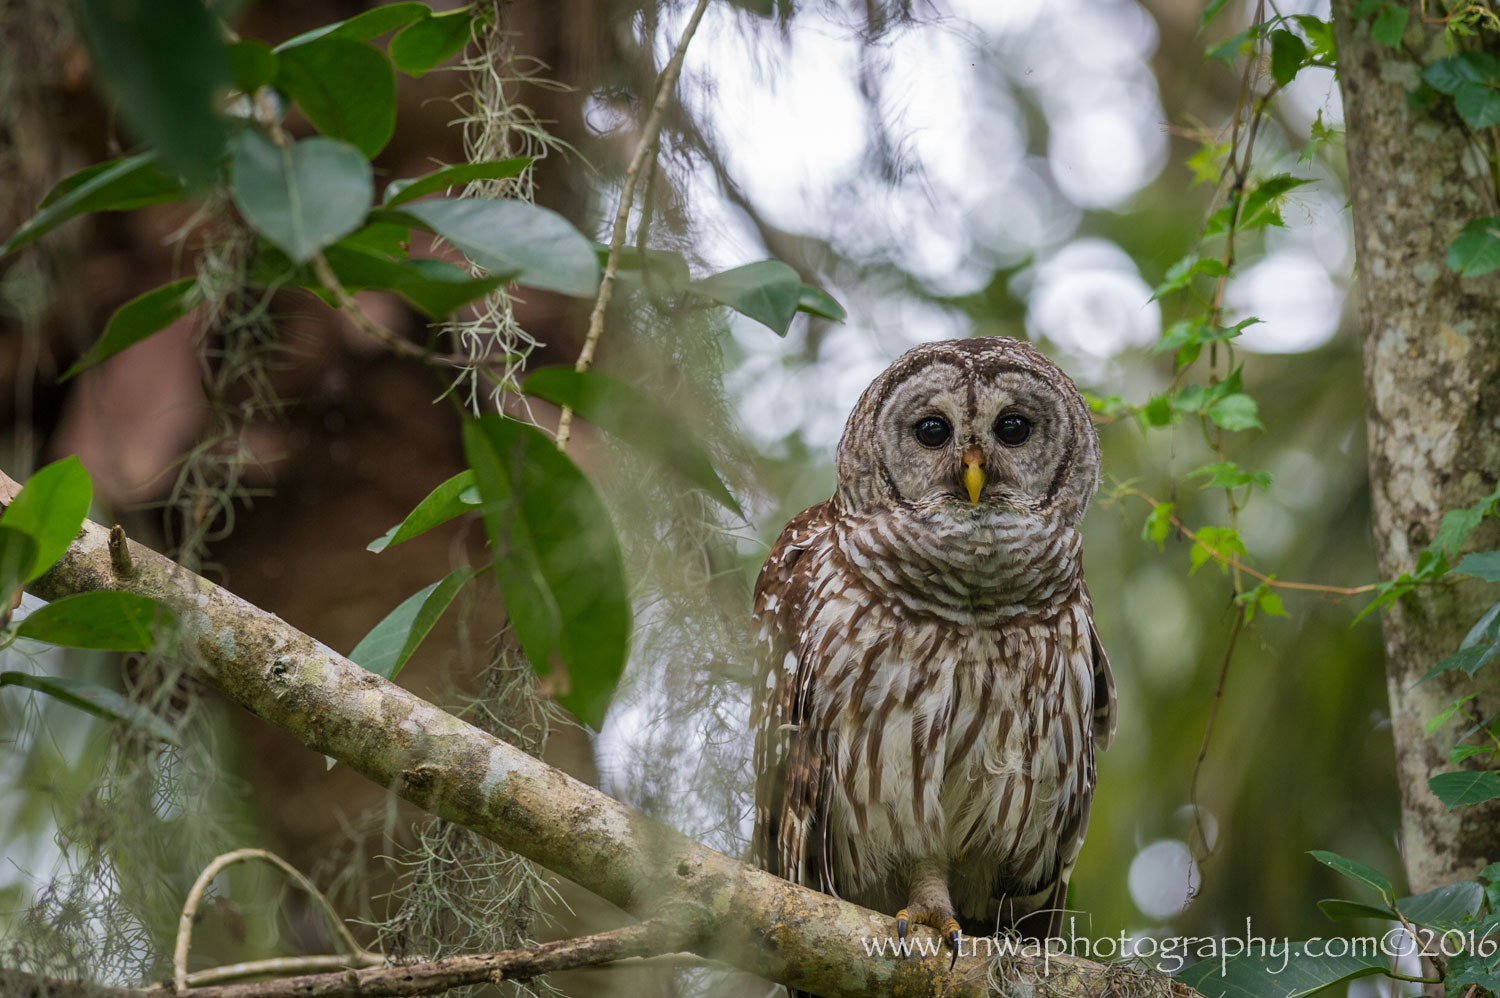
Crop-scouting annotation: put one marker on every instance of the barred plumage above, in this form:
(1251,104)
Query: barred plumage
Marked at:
(935,687)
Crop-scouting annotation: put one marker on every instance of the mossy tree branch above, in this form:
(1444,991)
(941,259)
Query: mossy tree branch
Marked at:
(736,913)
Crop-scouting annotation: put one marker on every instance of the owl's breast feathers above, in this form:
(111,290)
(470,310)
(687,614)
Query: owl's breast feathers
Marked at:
(887,731)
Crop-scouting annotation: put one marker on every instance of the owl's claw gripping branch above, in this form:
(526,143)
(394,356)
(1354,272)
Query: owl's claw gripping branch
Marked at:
(929,904)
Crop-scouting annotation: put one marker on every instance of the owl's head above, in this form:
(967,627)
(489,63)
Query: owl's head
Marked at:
(986,425)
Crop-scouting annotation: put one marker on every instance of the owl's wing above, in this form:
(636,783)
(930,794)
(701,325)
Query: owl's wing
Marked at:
(790,783)
(1104,684)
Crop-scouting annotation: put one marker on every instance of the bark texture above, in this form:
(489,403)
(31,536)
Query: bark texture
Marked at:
(741,915)
(1431,343)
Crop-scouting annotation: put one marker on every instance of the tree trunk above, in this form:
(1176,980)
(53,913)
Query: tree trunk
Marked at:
(1431,343)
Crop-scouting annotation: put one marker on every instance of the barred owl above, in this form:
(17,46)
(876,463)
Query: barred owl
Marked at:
(935,688)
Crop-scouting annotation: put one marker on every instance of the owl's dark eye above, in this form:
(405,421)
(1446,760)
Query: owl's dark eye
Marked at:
(932,431)
(1012,429)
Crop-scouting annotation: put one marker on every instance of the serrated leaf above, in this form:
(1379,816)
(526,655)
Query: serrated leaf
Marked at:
(539,246)
(1478,105)
(104,620)
(97,700)
(1484,565)
(398,192)
(116,185)
(345,88)
(1289,973)
(453,498)
(557,561)
(165,63)
(136,320)
(768,292)
(1449,74)
(1356,871)
(50,508)
(301,197)
(637,419)
(1288,53)
(1236,412)
(423,45)
(1464,788)
(393,641)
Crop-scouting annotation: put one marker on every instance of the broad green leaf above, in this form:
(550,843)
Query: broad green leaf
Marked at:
(51,508)
(1228,475)
(398,192)
(1465,787)
(1357,871)
(1450,74)
(1236,412)
(116,185)
(557,561)
(1447,714)
(1211,11)
(1288,973)
(635,418)
(816,301)
(435,287)
(1478,105)
(1478,648)
(539,246)
(18,551)
(97,700)
(1445,906)
(768,292)
(1288,53)
(301,197)
(423,45)
(665,272)
(392,642)
(1390,25)
(346,88)
(1338,910)
(385,238)
(252,64)
(105,620)
(137,319)
(164,62)
(1319,36)
(1483,565)
(454,497)
(378,20)
(1468,970)
(1459,753)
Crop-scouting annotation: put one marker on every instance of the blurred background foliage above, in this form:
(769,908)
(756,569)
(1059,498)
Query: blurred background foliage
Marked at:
(1025,168)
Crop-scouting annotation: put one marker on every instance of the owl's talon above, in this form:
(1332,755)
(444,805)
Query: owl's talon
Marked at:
(953,937)
(902,920)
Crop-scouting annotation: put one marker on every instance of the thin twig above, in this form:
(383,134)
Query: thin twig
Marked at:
(643,154)
(395,342)
(354,956)
(1208,729)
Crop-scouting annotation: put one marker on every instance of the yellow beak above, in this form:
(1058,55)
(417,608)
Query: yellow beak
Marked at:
(974,473)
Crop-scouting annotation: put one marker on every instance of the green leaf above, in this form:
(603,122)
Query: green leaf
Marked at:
(1228,475)
(1270,604)
(1452,73)
(421,46)
(557,561)
(1484,565)
(1476,251)
(346,88)
(1465,787)
(1459,753)
(453,498)
(768,292)
(1390,25)
(301,197)
(51,508)
(816,301)
(1158,411)
(539,246)
(1447,713)
(435,287)
(1211,11)
(1236,412)
(137,319)
(18,553)
(97,700)
(1262,205)
(1338,910)
(1158,524)
(392,642)
(252,64)
(1319,36)
(1357,871)
(398,192)
(1288,54)
(116,185)
(1478,105)
(1225,541)
(164,63)
(1444,906)
(104,620)
(1288,973)
(378,20)
(1181,274)
(637,419)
